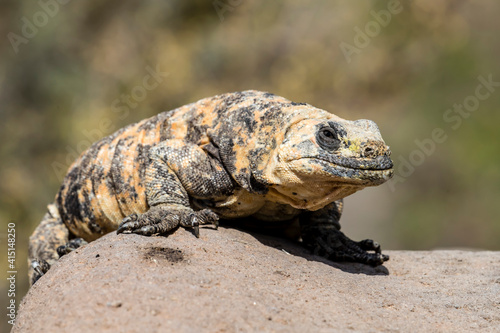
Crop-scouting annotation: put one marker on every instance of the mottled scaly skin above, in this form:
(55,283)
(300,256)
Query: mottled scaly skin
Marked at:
(237,155)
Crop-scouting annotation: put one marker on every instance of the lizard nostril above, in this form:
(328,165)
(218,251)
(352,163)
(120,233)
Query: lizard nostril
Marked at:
(368,152)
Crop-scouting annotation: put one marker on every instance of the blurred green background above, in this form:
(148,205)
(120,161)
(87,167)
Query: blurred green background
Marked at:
(63,77)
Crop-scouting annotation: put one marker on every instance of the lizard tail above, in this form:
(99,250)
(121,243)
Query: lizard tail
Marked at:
(47,237)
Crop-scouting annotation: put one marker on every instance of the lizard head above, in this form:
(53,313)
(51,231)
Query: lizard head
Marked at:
(294,153)
(323,158)
(351,152)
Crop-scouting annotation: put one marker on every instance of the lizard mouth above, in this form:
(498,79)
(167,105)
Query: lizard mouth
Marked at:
(379,163)
(365,172)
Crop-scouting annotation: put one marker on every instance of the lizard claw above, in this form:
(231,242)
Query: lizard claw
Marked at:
(128,224)
(195,225)
(161,219)
(40,267)
(334,245)
(205,216)
(70,246)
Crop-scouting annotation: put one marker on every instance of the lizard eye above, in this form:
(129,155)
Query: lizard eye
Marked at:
(327,138)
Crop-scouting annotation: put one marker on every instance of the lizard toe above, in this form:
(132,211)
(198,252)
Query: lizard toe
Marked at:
(40,267)
(70,246)
(334,245)
(147,230)
(195,219)
(369,245)
(195,224)
(206,216)
(128,224)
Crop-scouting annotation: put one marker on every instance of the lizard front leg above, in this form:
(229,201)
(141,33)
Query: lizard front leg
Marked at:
(321,233)
(177,171)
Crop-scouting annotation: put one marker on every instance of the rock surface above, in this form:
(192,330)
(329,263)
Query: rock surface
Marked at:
(233,281)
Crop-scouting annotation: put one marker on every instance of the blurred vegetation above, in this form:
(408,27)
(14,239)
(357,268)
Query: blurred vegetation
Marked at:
(64,82)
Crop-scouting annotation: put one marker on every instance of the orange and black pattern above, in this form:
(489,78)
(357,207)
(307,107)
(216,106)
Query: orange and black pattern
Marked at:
(237,155)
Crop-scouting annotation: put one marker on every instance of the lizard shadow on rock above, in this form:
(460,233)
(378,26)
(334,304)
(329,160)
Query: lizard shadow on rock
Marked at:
(279,241)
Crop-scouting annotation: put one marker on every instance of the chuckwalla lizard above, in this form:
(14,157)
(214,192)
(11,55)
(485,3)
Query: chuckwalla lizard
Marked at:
(239,155)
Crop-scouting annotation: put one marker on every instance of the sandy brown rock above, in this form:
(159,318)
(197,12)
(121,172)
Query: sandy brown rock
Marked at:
(233,281)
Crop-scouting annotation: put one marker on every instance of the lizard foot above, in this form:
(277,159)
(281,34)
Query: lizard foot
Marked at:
(158,220)
(40,267)
(70,246)
(334,245)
